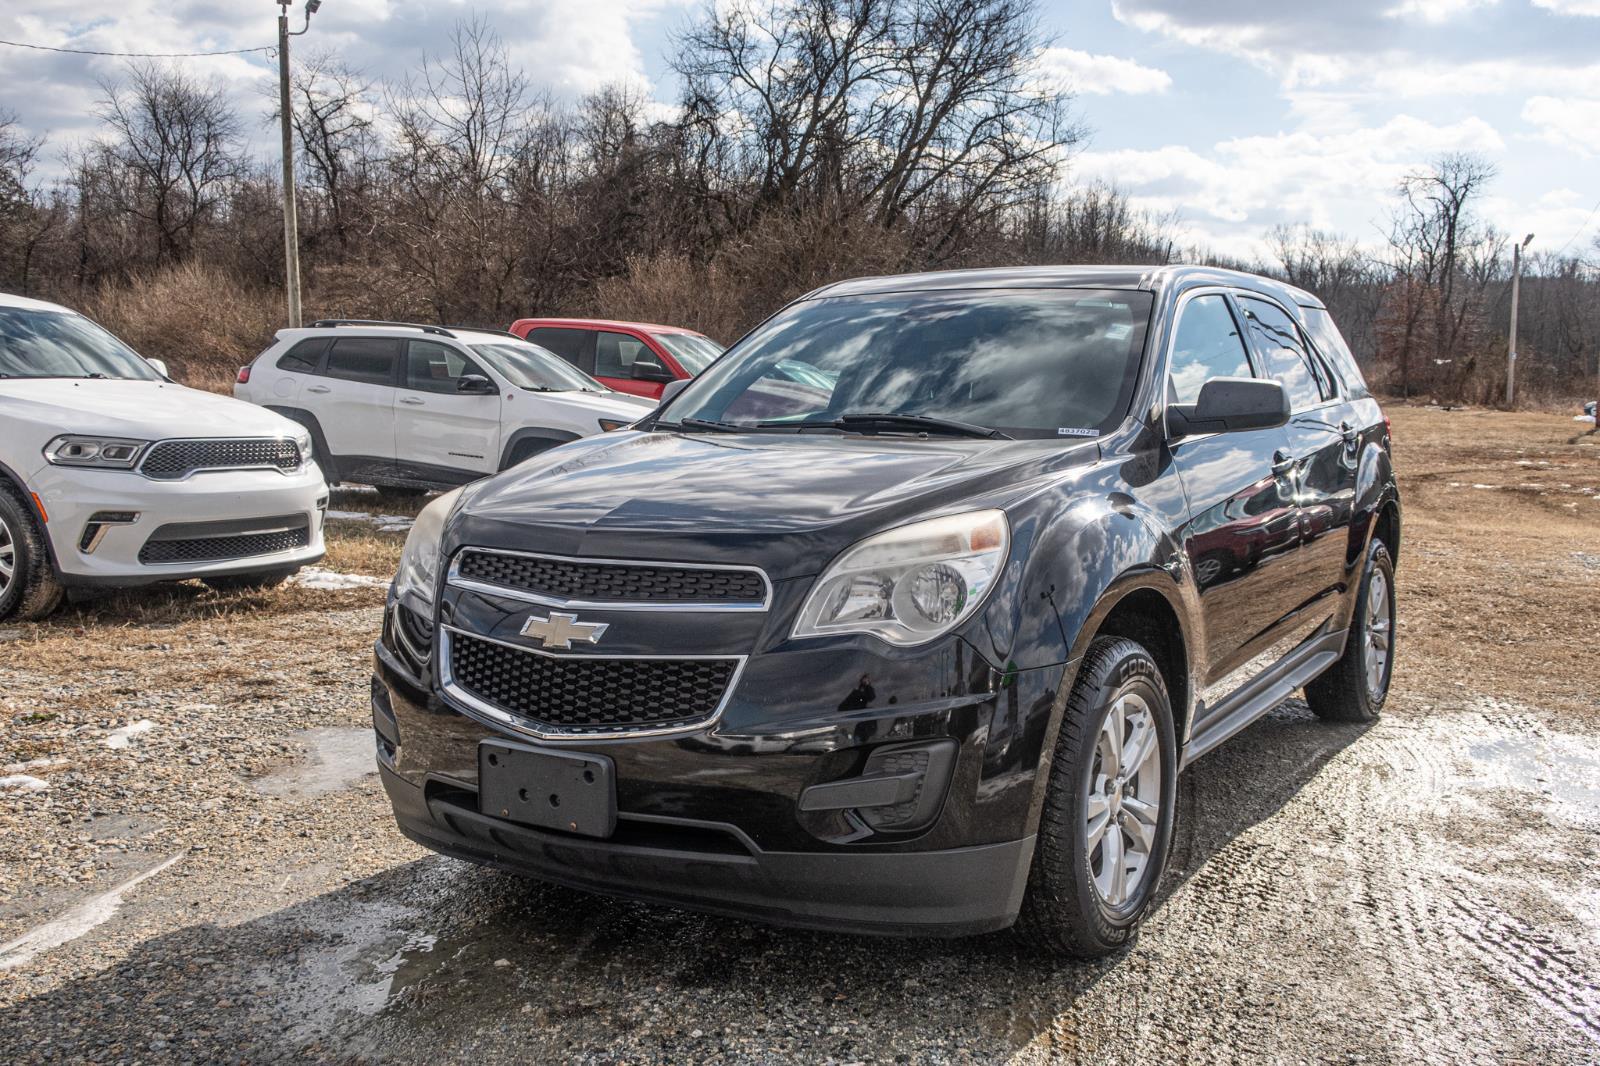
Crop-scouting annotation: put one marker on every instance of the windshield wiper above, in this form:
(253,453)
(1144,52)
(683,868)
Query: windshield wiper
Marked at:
(861,420)
(705,424)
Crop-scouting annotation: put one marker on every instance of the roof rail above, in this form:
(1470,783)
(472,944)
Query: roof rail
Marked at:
(481,329)
(328,323)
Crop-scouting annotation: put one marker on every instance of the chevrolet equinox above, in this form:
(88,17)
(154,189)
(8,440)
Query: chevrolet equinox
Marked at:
(905,615)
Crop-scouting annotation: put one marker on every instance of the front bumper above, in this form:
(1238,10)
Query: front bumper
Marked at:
(952,892)
(72,497)
(714,821)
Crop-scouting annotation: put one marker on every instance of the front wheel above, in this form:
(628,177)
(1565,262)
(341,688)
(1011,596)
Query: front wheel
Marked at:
(28,587)
(1354,688)
(1107,820)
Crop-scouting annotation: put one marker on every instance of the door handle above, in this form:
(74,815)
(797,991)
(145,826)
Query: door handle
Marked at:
(1282,462)
(411,401)
(317,388)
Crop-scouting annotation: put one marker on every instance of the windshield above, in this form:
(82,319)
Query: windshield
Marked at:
(57,344)
(693,352)
(1028,363)
(529,366)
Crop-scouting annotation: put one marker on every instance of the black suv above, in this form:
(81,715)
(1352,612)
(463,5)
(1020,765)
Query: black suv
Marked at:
(905,615)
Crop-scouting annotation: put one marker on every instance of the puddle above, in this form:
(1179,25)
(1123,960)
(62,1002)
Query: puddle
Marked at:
(335,759)
(1571,778)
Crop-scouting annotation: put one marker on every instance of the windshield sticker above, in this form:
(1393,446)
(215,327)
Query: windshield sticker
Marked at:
(1065,431)
(1119,331)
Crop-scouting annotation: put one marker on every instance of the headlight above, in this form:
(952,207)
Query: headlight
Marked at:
(418,574)
(912,584)
(71,450)
(609,424)
(302,440)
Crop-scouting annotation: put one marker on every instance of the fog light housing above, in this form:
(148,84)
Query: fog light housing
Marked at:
(900,789)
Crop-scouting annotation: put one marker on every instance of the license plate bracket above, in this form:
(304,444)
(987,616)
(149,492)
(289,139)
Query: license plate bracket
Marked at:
(574,792)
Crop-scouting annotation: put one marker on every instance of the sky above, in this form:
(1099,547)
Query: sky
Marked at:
(1230,116)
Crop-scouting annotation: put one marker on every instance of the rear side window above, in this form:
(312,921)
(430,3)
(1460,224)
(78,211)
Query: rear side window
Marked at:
(614,354)
(1207,345)
(1279,341)
(576,346)
(369,359)
(303,357)
(1330,343)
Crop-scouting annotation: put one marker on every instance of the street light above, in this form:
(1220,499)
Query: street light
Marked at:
(1511,349)
(291,222)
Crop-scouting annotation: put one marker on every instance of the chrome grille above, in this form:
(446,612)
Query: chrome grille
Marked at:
(173,460)
(612,582)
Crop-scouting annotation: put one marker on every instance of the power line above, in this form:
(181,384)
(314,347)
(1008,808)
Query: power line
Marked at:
(1580,230)
(138,55)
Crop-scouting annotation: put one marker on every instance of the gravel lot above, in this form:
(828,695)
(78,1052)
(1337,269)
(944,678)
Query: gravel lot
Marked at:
(225,883)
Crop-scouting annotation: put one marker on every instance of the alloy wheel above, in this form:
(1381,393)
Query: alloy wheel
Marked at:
(1380,632)
(8,558)
(1123,805)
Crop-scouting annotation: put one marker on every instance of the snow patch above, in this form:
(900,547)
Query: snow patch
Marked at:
(386,523)
(315,577)
(118,738)
(22,783)
(76,922)
(34,764)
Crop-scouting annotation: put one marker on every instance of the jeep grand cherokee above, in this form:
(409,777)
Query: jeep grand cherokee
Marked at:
(905,615)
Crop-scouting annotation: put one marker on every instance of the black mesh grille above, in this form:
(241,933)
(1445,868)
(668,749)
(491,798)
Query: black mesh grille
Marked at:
(203,549)
(169,460)
(613,582)
(589,694)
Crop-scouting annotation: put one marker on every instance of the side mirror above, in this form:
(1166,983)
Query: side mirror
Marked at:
(671,391)
(475,385)
(160,366)
(646,370)
(1230,405)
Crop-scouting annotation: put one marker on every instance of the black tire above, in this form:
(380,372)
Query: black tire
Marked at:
(1344,692)
(30,591)
(1064,911)
(269,579)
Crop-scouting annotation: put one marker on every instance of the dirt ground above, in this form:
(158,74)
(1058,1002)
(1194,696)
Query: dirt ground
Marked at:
(225,883)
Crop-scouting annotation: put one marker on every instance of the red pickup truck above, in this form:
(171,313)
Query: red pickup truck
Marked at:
(633,357)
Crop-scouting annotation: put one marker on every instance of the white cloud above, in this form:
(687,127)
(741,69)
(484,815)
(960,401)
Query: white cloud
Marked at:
(1101,75)
(1229,196)
(1570,7)
(1568,123)
(1434,10)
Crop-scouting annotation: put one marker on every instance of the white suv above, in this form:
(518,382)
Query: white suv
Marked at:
(412,407)
(112,475)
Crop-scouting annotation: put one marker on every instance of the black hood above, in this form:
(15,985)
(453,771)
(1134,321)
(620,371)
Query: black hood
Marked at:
(787,503)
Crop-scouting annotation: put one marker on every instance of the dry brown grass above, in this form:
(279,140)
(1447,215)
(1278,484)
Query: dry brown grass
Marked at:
(199,319)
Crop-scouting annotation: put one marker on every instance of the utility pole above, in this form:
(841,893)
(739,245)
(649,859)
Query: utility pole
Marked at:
(291,221)
(1511,349)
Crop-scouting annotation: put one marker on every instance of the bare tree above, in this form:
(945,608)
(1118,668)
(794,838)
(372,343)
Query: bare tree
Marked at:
(25,219)
(174,141)
(333,116)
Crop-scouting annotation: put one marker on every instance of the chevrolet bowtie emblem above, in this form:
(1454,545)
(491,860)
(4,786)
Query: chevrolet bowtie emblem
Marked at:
(560,630)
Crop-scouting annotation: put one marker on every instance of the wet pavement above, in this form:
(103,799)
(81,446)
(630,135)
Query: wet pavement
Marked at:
(1424,886)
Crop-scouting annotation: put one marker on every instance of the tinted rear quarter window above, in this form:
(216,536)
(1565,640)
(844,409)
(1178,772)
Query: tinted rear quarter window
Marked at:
(369,359)
(303,357)
(1331,344)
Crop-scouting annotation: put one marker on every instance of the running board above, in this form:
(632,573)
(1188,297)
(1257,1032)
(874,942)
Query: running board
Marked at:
(1264,692)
